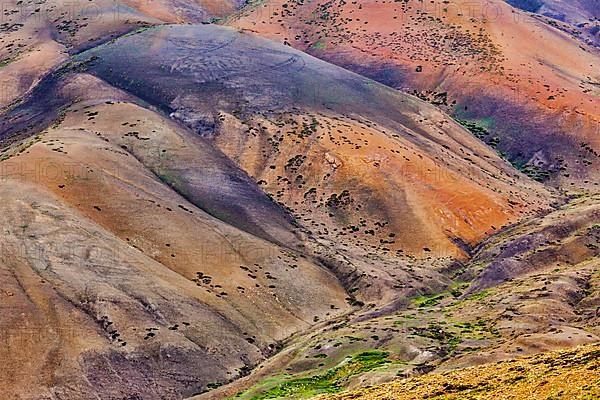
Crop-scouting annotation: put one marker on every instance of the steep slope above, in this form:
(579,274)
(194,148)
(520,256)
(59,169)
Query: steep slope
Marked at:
(223,65)
(124,215)
(37,36)
(524,87)
(118,286)
(333,164)
(183,202)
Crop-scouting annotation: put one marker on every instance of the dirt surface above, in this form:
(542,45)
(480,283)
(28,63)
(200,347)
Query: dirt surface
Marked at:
(522,86)
(192,210)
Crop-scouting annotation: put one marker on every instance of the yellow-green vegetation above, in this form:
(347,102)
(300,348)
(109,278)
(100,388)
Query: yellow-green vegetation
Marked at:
(570,374)
(331,381)
(6,61)
(10,152)
(428,301)
(478,296)
(455,290)
(319,45)
(479,329)
(447,339)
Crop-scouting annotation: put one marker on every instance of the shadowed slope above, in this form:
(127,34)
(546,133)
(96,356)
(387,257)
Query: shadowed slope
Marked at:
(201,173)
(581,18)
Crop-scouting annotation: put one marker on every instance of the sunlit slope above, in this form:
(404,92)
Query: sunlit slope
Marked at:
(522,86)
(39,36)
(570,374)
(182,202)
(533,288)
(368,152)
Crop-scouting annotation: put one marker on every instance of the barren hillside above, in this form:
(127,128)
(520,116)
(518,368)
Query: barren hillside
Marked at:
(285,199)
(520,85)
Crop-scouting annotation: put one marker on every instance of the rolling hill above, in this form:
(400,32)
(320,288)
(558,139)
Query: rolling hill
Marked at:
(152,231)
(519,84)
(285,199)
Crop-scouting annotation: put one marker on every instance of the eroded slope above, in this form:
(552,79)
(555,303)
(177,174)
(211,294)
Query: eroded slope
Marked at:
(114,278)
(134,204)
(520,85)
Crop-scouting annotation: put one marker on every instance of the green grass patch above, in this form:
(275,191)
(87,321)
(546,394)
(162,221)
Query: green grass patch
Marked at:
(482,127)
(532,171)
(447,339)
(479,329)
(428,300)
(330,381)
(480,295)
(318,46)
(478,129)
